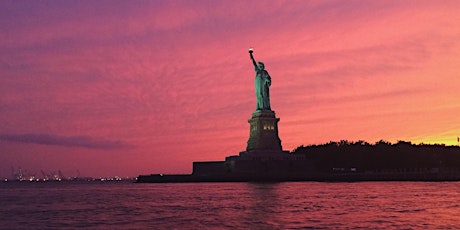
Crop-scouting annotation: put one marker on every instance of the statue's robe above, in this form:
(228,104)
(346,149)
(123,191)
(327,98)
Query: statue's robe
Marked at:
(262,83)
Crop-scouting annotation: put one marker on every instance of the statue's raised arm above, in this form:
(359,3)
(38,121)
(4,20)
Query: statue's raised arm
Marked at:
(252,58)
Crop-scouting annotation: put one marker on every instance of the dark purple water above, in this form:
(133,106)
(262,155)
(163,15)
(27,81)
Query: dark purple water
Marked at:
(300,205)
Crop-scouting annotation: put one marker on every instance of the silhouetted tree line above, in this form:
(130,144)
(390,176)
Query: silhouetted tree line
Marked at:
(382,155)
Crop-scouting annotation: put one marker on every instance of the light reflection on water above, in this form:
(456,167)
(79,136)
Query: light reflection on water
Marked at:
(296,205)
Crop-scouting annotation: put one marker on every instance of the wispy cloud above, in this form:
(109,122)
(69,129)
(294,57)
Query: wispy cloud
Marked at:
(68,141)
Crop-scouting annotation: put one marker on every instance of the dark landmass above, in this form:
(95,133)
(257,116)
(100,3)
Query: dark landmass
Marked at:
(380,156)
(334,161)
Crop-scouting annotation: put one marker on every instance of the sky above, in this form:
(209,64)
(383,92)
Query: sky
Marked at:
(123,88)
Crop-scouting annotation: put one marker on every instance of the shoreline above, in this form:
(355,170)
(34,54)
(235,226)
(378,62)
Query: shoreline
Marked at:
(316,177)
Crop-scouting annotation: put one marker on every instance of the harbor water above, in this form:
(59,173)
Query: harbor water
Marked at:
(290,205)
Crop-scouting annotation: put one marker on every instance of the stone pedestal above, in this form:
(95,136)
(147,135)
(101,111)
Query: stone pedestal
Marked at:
(263,135)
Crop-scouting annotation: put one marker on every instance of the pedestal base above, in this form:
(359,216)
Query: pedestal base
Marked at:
(263,134)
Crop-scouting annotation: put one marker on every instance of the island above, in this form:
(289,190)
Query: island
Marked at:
(264,159)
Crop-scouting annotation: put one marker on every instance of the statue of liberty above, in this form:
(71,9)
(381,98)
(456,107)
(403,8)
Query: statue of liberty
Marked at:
(262,83)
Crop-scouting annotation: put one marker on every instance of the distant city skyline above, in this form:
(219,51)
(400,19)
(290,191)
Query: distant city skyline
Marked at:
(127,88)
